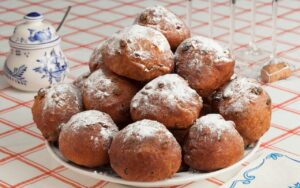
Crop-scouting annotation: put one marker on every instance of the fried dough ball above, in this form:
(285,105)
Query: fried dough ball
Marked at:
(167,99)
(107,92)
(165,21)
(245,102)
(212,143)
(55,105)
(204,64)
(145,151)
(138,52)
(86,138)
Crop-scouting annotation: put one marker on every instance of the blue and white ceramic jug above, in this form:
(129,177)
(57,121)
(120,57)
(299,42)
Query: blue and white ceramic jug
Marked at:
(35,59)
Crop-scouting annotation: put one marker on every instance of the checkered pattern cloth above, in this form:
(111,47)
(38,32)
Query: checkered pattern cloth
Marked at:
(24,161)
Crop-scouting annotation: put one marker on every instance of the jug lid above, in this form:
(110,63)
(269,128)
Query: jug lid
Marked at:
(33,31)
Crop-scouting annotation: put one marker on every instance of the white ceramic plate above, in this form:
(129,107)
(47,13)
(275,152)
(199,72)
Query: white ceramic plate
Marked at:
(106,173)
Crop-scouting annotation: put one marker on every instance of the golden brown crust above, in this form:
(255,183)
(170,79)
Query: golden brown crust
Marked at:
(145,155)
(250,108)
(204,64)
(79,82)
(107,92)
(86,138)
(209,148)
(167,99)
(96,57)
(55,105)
(139,53)
(163,20)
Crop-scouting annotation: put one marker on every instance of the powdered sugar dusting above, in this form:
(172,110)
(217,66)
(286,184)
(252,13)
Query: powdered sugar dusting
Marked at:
(145,128)
(80,80)
(56,95)
(195,63)
(158,14)
(240,92)
(142,54)
(91,117)
(240,86)
(97,84)
(130,36)
(216,124)
(207,46)
(96,56)
(171,88)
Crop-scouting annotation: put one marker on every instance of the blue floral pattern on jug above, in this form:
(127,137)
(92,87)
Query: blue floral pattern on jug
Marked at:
(40,36)
(248,179)
(52,67)
(296,185)
(17,75)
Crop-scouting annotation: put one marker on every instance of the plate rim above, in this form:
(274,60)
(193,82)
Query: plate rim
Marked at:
(166,182)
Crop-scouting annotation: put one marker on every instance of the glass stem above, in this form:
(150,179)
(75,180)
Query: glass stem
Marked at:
(210,13)
(253,25)
(232,24)
(274,25)
(189,13)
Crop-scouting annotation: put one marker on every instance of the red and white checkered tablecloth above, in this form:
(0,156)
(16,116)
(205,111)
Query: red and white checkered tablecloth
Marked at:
(24,161)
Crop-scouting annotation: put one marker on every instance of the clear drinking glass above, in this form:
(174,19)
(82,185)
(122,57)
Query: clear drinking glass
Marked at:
(189,6)
(251,52)
(210,23)
(273,57)
(232,24)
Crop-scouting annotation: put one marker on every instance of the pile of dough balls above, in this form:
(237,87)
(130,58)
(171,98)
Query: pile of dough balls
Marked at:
(155,99)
